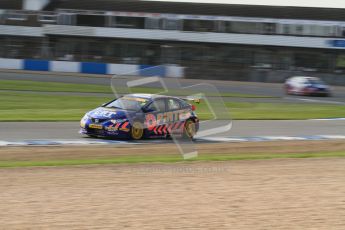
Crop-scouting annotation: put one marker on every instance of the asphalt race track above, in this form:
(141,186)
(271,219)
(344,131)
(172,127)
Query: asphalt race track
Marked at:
(264,89)
(20,131)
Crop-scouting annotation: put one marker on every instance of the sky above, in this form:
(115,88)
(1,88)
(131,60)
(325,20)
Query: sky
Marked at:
(310,3)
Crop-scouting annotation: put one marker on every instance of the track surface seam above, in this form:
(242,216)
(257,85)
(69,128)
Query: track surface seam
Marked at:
(54,142)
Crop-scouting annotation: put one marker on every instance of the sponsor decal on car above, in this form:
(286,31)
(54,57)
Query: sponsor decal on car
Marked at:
(95,126)
(111,129)
(152,120)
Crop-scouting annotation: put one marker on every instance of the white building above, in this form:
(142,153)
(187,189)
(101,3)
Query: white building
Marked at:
(222,41)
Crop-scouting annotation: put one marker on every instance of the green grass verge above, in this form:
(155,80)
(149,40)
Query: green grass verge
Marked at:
(23,106)
(274,111)
(52,87)
(166,159)
(36,86)
(16,106)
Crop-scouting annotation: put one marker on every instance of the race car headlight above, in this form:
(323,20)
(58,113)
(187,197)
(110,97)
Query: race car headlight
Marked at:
(84,120)
(86,117)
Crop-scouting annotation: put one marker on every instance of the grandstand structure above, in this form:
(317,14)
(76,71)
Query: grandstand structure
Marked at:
(217,41)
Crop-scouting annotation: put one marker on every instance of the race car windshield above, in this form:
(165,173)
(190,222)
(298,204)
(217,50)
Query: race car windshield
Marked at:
(315,82)
(128,103)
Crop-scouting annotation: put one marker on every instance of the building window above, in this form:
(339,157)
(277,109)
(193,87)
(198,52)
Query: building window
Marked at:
(299,29)
(227,27)
(130,22)
(199,25)
(47,18)
(269,28)
(152,23)
(66,19)
(244,27)
(111,21)
(91,20)
(171,24)
(286,29)
(340,62)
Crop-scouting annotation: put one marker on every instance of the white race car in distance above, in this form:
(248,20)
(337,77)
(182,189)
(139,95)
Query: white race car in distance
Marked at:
(306,86)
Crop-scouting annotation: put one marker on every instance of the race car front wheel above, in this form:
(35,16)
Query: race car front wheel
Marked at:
(189,130)
(137,131)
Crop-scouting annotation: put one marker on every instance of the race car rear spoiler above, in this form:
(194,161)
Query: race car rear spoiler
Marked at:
(192,99)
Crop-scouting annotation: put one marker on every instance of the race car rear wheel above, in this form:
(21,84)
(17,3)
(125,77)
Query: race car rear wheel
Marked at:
(189,130)
(137,131)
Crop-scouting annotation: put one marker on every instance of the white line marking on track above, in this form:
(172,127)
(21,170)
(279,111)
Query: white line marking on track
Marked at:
(222,139)
(62,142)
(333,136)
(328,119)
(273,138)
(284,138)
(210,139)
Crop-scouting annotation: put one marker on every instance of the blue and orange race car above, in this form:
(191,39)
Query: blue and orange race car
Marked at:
(138,116)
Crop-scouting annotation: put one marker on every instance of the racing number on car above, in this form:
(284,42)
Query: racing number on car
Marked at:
(150,121)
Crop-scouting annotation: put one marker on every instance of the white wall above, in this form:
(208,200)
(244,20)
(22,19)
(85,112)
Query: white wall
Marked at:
(34,4)
(123,69)
(76,67)
(6,63)
(174,71)
(65,66)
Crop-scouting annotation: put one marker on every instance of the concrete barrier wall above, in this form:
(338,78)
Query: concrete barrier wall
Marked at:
(36,65)
(64,66)
(11,63)
(253,75)
(91,67)
(122,69)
